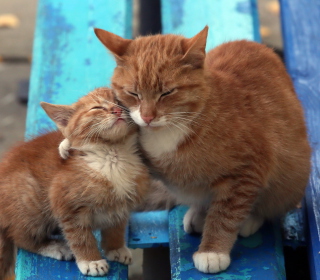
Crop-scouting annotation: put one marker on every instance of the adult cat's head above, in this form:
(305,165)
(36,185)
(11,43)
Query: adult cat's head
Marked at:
(158,77)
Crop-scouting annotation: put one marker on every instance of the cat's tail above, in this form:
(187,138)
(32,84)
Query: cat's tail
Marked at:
(158,198)
(7,256)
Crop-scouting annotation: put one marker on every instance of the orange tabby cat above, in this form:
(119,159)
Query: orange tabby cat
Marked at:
(224,130)
(96,187)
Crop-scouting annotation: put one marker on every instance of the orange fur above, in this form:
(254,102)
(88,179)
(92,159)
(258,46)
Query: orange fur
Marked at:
(225,131)
(39,191)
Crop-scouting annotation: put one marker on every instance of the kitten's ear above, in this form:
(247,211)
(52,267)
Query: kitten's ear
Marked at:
(194,49)
(60,114)
(113,42)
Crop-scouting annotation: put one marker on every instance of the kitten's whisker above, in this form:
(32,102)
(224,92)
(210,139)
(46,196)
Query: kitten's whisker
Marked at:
(122,107)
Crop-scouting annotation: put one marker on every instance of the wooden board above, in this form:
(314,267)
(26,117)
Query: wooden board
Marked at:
(257,257)
(35,267)
(148,229)
(68,62)
(227,20)
(301,33)
(68,59)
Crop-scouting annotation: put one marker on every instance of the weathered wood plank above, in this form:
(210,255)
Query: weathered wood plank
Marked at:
(227,20)
(33,267)
(257,257)
(68,59)
(301,32)
(68,62)
(148,229)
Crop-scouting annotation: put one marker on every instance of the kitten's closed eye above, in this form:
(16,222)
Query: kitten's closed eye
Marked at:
(98,107)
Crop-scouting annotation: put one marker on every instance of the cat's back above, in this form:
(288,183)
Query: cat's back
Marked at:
(250,79)
(237,56)
(32,157)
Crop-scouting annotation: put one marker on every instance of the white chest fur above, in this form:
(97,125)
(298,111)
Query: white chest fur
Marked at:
(162,141)
(118,163)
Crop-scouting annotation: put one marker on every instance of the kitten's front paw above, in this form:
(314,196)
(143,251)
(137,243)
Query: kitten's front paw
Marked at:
(64,147)
(250,226)
(211,262)
(193,220)
(93,268)
(122,255)
(57,250)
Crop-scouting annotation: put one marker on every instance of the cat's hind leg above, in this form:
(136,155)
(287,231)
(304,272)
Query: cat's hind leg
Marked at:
(193,220)
(113,243)
(7,255)
(251,225)
(56,249)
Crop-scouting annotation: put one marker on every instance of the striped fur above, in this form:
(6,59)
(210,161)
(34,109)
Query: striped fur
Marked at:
(241,154)
(96,187)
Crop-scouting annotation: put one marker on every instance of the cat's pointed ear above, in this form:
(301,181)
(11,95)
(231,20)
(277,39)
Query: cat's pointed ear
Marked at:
(60,114)
(114,43)
(194,49)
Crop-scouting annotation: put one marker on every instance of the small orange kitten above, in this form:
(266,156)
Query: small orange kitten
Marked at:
(102,180)
(224,130)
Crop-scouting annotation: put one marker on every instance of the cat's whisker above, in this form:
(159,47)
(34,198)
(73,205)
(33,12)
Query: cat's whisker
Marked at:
(191,120)
(122,107)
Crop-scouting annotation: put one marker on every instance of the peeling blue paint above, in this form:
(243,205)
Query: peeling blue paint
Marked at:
(244,7)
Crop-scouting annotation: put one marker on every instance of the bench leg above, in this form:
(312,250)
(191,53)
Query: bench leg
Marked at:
(156,264)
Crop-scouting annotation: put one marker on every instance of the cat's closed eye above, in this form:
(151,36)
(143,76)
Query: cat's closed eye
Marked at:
(98,107)
(168,92)
(134,94)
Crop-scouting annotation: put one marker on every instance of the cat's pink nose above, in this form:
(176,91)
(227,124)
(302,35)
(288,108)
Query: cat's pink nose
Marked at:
(116,111)
(147,119)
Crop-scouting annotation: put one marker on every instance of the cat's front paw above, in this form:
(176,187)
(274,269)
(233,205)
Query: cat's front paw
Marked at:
(57,250)
(250,226)
(211,262)
(93,268)
(64,147)
(122,255)
(193,221)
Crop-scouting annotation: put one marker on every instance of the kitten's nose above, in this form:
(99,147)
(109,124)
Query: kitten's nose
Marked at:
(147,119)
(116,111)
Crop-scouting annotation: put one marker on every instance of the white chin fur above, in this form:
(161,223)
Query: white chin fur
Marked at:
(136,116)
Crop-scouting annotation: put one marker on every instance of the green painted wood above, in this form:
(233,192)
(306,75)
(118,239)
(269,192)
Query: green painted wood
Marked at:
(227,19)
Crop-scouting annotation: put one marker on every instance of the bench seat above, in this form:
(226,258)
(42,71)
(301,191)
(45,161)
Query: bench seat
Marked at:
(69,61)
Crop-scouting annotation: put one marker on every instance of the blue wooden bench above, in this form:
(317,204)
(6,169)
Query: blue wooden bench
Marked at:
(69,61)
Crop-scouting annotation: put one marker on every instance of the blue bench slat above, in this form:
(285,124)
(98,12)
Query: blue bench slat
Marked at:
(301,32)
(227,20)
(68,62)
(35,267)
(148,229)
(68,59)
(257,257)
(294,225)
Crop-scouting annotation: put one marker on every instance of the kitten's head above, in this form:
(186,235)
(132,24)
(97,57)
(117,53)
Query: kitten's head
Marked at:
(158,77)
(95,117)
